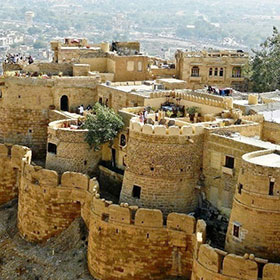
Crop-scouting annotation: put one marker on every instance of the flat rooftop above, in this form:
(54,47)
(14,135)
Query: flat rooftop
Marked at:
(271,116)
(253,141)
(269,160)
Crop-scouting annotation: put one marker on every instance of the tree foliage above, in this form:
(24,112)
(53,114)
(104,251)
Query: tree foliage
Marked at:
(103,126)
(266,64)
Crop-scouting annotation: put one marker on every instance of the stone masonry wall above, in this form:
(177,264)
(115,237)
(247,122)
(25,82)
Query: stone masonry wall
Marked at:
(271,132)
(73,153)
(49,203)
(214,264)
(10,170)
(219,182)
(255,210)
(165,166)
(25,103)
(125,243)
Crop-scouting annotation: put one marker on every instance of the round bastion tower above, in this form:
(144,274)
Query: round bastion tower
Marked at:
(255,218)
(163,166)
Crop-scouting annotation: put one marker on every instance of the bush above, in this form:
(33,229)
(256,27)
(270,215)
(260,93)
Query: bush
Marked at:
(103,126)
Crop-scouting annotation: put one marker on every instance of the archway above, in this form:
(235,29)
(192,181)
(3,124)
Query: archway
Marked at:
(64,106)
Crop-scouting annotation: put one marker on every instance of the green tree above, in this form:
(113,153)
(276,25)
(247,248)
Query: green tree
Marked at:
(103,126)
(265,65)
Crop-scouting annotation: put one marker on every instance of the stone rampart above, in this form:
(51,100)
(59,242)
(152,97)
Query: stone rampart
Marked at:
(163,167)
(139,243)
(72,152)
(10,170)
(212,263)
(48,202)
(255,215)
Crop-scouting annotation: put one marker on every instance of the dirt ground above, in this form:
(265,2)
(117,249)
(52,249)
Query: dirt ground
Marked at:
(61,258)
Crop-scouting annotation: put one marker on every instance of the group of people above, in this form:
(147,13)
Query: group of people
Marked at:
(81,109)
(222,92)
(18,58)
(143,116)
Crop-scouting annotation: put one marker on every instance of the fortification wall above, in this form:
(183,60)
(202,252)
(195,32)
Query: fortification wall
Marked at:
(206,103)
(220,182)
(137,243)
(150,246)
(25,103)
(118,99)
(255,216)
(48,203)
(215,264)
(50,68)
(10,170)
(72,152)
(271,132)
(165,164)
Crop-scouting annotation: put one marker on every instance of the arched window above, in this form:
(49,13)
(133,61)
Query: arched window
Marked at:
(216,71)
(221,72)
(123,140)
(195,71)
(64,106)
(211,71)
(236,72)
(100,100)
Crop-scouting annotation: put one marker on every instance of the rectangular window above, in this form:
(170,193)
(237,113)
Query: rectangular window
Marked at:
(240,187)
(136,192)
(130,66)
(52,148)
(271,187)
(236,230)
(229,162)
(105,217)
(140,66)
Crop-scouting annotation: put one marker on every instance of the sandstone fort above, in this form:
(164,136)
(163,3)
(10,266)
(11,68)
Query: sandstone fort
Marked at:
(190,187)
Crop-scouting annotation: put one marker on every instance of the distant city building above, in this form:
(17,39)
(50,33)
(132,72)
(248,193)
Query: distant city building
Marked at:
(215,68)
(29,15)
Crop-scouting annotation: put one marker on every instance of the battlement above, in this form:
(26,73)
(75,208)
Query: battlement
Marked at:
(141,217)
(160,130)
(39,176)
(214,54)
(222,102)
(212,262)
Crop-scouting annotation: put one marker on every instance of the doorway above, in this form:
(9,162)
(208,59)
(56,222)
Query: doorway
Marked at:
(64,106)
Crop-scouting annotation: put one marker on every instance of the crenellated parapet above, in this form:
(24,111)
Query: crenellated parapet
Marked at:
(212,263)
(215,101)
(160,246)
(10,170)
(179,129)
(49,202)
(163,166)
